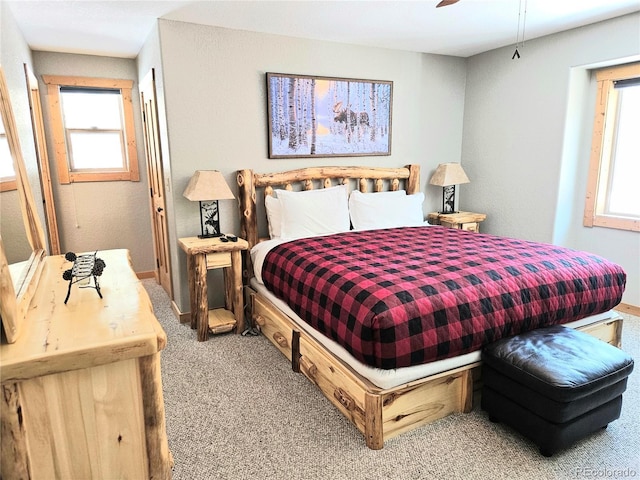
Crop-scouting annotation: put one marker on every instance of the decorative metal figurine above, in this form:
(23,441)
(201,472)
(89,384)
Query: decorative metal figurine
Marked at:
(84,267)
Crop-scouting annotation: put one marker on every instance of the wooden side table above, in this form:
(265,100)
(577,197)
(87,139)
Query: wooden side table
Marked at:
(206,254)
(469,221)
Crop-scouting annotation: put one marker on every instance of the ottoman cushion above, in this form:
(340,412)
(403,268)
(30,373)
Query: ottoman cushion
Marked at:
(551,410)
(559,363)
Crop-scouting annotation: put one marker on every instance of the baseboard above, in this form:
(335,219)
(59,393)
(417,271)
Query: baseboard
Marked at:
(143,275)
(182,317)
(627,308)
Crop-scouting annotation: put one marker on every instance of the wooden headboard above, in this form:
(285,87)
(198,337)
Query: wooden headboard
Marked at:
(252,188)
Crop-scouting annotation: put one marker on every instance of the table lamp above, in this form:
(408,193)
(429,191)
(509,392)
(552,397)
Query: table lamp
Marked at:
(447,176)
(207,187)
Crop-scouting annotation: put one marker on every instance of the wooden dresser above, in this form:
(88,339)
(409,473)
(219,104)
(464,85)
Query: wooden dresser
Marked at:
(82,391)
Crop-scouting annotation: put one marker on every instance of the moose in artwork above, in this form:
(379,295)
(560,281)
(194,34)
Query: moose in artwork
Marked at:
(349,117)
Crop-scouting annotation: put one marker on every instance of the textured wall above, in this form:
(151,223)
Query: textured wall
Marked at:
(100,215)
(215,94)
(527,140)
(14,54)
(149,58)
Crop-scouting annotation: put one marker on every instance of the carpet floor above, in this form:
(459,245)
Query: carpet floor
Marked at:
(235,410)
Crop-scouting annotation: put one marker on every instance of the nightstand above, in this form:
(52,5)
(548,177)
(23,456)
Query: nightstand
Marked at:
(207,254)
(461,220)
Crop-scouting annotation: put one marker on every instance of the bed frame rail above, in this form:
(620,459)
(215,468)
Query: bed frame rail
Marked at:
(381,414)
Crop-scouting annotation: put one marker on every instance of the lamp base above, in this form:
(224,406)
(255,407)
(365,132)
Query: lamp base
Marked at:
(209,220)
(210,235)
(448,199)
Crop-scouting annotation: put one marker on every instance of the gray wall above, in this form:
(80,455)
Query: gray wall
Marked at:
(526,124)
(100,215)
(14,54)
(149,58)
(215,92)
(527,140)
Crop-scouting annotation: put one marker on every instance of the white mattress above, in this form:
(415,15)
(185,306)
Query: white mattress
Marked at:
(386,379)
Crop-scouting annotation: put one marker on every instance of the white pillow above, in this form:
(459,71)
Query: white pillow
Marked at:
(314,212)
(274,216)
(369,211)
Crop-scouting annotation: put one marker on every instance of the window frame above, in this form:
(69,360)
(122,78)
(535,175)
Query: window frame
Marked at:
(600,162)
(65,173)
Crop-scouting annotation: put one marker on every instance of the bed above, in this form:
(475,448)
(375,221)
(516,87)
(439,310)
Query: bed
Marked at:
(385,378)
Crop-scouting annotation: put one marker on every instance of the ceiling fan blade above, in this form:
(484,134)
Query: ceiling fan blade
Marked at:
(444,3)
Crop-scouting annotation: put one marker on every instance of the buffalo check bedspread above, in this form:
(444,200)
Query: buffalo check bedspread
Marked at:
(408,296)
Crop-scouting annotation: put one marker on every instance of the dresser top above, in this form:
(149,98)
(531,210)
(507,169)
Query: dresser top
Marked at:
(88,330)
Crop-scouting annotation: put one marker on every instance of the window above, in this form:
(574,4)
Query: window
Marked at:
(613,196)
(92,122)
(7,173)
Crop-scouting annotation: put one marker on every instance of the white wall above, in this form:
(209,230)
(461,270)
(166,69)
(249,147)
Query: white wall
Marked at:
(14,54)
(522,146)
(527,139)
(149,58)
(215,94)
(100,215)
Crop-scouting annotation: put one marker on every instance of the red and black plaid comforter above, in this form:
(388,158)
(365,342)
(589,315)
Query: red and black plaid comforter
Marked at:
(408,296)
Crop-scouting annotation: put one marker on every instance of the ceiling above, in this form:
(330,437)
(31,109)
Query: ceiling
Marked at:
(119,28)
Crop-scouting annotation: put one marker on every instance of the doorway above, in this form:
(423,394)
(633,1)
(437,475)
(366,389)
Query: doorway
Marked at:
(153,154)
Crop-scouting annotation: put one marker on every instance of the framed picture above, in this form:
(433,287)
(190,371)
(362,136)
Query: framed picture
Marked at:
(328,117)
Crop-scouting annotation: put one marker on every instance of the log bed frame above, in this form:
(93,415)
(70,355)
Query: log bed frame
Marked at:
(379,414)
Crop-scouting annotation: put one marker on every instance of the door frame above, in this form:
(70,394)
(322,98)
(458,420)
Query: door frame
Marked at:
(42,158)
(147,90)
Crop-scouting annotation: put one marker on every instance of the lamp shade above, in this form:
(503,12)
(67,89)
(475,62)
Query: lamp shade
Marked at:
(207,185)
(449,174)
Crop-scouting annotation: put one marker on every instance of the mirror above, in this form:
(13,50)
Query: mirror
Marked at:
(16,246)
(18,278)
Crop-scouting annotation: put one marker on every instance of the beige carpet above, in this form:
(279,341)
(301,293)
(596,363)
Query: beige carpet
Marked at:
(235,410)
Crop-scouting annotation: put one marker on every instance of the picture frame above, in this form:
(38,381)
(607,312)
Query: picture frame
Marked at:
(312,116)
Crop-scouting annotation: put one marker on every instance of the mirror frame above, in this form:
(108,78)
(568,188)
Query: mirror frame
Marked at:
(15,300)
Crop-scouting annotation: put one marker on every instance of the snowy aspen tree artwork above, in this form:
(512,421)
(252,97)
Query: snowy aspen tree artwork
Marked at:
(326,117)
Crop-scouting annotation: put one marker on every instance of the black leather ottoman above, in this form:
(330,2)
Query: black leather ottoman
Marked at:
(554,385)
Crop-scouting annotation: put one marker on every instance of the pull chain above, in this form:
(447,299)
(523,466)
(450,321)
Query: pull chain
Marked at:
(519,41)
